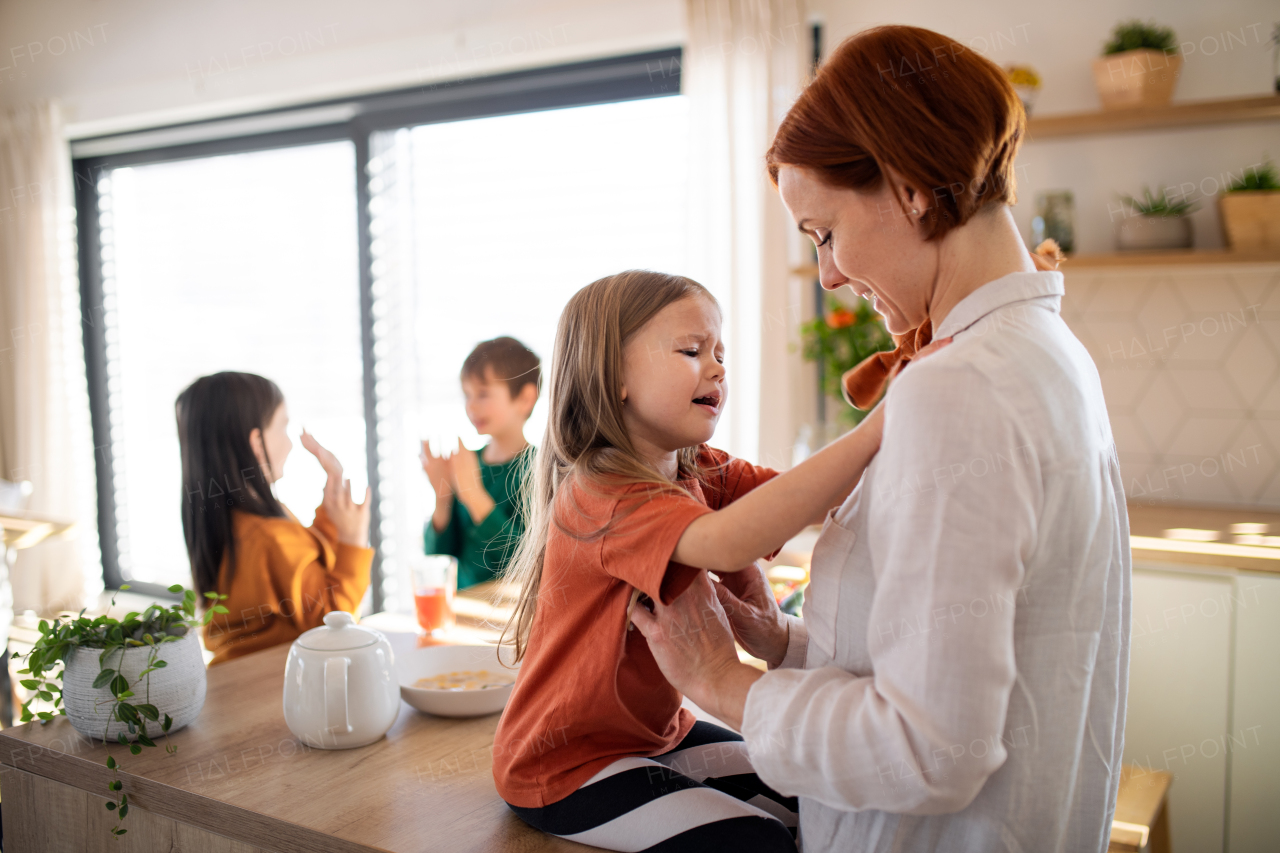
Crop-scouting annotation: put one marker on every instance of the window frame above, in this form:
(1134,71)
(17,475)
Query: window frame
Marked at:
(615,79)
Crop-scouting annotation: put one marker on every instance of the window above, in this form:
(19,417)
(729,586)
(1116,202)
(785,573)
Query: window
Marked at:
(354,251)
(240,262)
(476,237)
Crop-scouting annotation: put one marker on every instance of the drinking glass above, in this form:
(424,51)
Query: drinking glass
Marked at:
(435,580)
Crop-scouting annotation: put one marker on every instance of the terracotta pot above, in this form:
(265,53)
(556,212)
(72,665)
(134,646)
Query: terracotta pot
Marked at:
(1251,220)
(1146,233)
(1136,78)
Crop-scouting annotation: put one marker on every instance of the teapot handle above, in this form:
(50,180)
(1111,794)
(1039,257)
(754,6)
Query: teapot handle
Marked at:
(335,696)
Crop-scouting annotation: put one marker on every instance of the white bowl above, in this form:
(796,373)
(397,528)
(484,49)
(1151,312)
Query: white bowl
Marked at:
(413,664)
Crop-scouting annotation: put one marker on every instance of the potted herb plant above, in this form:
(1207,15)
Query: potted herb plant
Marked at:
(1139,66)
(112,678)
(1250,210)
(839,340)
(1155,222)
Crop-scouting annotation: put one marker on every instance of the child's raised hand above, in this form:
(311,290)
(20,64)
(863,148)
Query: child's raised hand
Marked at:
(350,518)
(468,485)
(466,472)
(439,470)
(332,467)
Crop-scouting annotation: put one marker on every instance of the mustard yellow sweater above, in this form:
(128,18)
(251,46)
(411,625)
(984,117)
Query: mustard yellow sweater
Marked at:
(287,578)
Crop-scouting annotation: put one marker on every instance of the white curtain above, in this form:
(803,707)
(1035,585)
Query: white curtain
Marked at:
(743,67)
(44,417)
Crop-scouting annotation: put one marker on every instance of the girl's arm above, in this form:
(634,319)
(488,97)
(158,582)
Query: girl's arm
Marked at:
(763,519)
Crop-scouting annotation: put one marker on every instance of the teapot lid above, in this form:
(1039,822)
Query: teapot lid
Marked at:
(339,633)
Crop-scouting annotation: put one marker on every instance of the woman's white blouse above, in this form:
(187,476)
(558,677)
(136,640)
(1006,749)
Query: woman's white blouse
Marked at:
(965,641)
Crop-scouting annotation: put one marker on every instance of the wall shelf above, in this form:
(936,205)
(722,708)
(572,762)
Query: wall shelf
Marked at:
(1170,257)
(1189,114)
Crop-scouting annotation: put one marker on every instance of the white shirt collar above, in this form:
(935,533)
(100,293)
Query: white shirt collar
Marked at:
(1006,290)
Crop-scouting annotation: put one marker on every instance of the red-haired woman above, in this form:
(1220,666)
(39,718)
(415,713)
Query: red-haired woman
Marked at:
(958,681)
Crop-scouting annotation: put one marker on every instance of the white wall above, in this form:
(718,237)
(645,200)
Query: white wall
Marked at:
(131,63)
(1059,40)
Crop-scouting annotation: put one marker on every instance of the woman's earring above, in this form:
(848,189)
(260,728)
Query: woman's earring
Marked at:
(915,212)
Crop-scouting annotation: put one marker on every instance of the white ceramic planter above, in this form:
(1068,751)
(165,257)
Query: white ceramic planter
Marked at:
(1146,233)
(178,689)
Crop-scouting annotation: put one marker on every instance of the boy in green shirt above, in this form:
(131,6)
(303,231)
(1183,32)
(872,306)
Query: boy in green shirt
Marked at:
(477,516)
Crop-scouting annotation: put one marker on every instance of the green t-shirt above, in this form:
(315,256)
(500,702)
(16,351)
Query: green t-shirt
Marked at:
(484,549)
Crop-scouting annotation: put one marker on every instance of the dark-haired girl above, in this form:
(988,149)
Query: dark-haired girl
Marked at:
(280,578)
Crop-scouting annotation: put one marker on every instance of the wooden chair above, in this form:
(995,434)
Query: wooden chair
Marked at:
(1142,817)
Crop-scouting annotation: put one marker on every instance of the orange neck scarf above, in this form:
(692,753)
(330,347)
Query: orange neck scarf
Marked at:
(866,381)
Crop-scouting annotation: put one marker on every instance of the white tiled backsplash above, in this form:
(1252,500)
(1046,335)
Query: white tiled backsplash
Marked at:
(1190,364)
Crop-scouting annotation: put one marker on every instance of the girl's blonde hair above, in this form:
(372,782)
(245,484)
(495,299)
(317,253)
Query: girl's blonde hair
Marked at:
(586,437)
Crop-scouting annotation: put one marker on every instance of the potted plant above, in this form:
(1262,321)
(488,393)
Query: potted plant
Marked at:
(1026,83)
(108,678)
(1155,222)
(1250,209)
(1139,66)
(839,340)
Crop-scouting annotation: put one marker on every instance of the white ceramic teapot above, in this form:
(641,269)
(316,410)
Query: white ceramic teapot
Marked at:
(340,686)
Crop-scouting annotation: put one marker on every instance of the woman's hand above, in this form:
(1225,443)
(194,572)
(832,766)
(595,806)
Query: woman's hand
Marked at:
(693,645)
(757,623)
(350,518)
(439,470)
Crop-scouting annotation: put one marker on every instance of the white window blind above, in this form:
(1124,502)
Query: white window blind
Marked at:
(486,227)
(241,262)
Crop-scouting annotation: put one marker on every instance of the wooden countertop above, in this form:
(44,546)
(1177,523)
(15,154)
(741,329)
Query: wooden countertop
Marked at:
(1203,536)
(240,773)
(1148,523)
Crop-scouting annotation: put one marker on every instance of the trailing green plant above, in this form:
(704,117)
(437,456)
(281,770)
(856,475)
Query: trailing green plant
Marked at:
(1136,35)
(840,339)
(1262,178)
(1159,204)
(151,628)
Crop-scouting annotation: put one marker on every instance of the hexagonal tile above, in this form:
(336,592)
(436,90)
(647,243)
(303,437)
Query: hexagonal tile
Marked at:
(1249,462)
(1270,327)
(1270,496)
(1205,389)
(1161,319)
(1204,436)
(1270,401)
(1195,479)
(1269,295)
(1270,429)
(1131,440)
(1078,290)
(1257,286)
(1119,294)
(1251,365)
(1205,339)
(1161,410)
(1206,294)
(1112,342)
(1124,386)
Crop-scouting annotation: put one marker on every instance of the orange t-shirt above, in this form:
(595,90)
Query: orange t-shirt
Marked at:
(589,691)
(287,578)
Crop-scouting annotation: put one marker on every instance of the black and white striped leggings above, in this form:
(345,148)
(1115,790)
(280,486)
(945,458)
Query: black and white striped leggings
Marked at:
(702,796)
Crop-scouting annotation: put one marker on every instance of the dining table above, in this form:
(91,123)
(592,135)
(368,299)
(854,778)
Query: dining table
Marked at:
(239,781)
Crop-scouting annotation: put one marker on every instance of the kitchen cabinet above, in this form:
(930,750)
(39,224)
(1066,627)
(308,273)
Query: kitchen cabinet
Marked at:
(1179,688)
(1204,701)
(1253,811)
